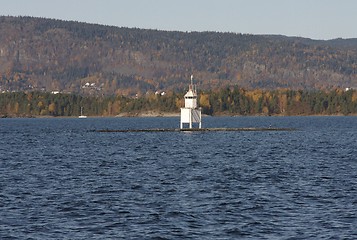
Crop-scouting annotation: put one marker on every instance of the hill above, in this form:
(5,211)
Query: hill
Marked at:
(55,55)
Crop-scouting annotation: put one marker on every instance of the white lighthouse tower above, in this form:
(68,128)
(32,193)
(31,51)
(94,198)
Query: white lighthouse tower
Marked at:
(191,113)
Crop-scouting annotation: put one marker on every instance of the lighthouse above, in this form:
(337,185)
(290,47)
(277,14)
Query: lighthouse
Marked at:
(191,113)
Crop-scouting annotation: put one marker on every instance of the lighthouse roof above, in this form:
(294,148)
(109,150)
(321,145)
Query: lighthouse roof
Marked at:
(191,93)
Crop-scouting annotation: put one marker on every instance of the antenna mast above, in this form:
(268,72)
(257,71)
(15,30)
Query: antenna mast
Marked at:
(191,85)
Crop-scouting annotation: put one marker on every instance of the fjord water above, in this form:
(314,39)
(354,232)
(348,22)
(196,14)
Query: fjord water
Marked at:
(61,180)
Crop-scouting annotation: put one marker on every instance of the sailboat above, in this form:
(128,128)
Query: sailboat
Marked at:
(82,116)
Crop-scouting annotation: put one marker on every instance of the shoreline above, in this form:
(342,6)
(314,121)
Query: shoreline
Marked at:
(158,115)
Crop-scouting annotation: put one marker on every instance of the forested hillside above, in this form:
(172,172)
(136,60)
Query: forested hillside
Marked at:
(39,54)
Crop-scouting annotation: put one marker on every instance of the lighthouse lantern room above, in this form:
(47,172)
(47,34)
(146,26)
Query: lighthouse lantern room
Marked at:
(191,113)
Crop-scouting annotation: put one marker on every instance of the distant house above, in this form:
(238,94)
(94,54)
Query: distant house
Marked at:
(350,88)
(160,93)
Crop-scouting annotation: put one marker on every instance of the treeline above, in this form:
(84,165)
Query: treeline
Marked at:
(31,104)
(229,101)
(279,102)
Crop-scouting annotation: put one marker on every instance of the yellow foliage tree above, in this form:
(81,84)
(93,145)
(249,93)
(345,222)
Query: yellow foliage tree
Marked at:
(40,105)
(16,110)
(255,95)
(283,102)
(265,110)
(354,96)
(110,104)
(204,101)
(116,107)
(52,107)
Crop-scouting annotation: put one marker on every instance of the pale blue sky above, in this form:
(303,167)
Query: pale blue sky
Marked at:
(317,19)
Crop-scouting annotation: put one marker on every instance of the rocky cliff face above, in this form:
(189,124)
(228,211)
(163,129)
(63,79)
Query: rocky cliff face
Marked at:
(51,55)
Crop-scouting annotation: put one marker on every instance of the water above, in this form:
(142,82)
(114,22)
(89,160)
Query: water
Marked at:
(60,180)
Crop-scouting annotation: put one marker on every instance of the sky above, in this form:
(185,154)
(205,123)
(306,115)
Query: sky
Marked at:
(316,19)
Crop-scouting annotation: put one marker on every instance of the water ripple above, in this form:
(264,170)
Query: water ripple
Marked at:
(60,181)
